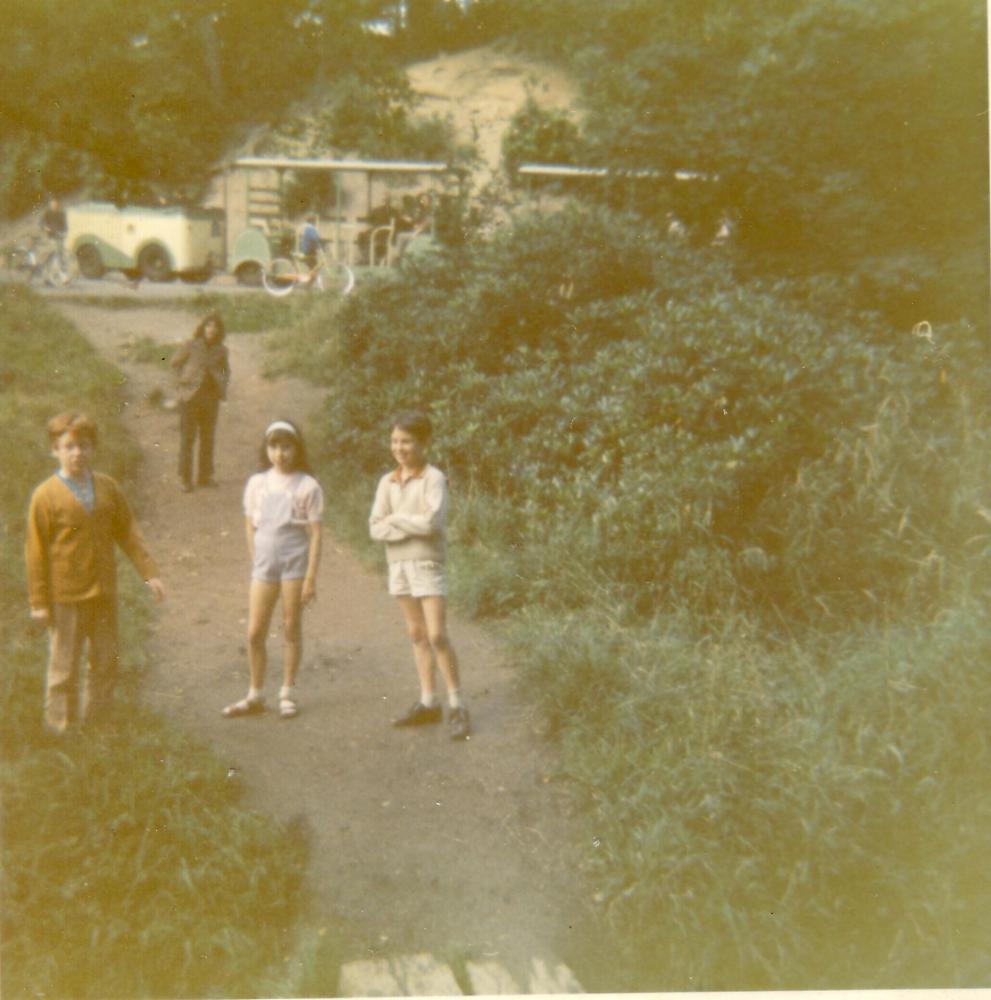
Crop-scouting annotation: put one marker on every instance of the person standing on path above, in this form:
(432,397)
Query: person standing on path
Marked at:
(283,507)
(409,515)
(75,518)
(202,366)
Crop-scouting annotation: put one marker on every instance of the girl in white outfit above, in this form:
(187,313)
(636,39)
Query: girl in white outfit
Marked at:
(283,507)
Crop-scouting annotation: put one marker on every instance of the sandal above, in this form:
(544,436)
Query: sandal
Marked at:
(245,706)
(288,708)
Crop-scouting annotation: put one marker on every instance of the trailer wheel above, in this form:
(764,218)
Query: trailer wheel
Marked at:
(90,262)
(153,263)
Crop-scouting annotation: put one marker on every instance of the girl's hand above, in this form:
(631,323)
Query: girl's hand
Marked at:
(309,594)
(41,615)
(157,588)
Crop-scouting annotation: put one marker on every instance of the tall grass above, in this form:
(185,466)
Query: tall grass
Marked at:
(129,867)
(773,816)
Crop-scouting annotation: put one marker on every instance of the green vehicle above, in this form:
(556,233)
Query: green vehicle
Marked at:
(157,244)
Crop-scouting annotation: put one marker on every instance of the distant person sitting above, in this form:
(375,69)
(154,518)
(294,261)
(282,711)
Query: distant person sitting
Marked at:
(386,214)
(421,223)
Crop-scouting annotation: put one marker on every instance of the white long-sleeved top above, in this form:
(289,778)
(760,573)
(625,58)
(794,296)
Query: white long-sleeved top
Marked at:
(410,515)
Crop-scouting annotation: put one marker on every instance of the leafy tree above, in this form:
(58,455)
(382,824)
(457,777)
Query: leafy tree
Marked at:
(129,100)
(539,134)
(848,135)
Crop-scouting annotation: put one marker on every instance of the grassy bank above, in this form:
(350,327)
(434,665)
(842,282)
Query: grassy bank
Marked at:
(129,867)
(737,532)
(246,312)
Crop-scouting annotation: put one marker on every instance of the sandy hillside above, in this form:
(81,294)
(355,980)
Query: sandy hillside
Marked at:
(480,89)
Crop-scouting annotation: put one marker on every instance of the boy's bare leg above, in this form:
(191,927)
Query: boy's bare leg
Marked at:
(423,653)
(292,630)
(435,614)
(261,603)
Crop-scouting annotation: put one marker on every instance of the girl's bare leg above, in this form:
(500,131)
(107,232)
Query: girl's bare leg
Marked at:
(261,603)
(292,630)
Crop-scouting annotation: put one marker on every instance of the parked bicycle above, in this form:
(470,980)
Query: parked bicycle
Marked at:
(326,275)
(45,259)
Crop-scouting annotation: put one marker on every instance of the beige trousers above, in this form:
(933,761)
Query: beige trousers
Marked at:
(92,623)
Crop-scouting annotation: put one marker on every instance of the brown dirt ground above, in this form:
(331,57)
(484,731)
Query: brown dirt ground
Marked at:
(418,843)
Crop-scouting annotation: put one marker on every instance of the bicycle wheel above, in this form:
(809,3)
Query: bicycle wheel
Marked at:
(58,270)
(333,277)
(280,277)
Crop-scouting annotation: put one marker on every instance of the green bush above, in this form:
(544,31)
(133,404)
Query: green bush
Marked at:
(683,437)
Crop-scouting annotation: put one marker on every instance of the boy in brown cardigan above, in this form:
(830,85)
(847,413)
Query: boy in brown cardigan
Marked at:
(74,519)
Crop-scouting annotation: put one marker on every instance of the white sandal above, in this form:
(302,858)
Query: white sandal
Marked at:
(288,709)
(246,706)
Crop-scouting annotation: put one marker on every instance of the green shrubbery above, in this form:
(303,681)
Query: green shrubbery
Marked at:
(742,531)
(684,437)
(129,869)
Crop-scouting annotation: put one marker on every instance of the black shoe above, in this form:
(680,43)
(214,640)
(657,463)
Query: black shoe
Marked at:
(420,715)
(458,721)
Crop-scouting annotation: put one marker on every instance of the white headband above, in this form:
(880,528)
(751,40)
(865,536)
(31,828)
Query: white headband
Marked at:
(280,425)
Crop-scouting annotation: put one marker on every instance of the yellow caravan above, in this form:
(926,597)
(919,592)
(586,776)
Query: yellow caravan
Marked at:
(156,243)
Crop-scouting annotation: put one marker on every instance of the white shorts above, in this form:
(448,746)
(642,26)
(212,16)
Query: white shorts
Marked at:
(417,578)
(283,558)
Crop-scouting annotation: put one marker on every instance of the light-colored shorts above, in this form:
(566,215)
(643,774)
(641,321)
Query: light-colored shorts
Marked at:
(277,562)
(417,578)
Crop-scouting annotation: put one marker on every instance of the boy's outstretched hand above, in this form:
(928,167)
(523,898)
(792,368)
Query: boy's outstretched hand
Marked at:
(157,588)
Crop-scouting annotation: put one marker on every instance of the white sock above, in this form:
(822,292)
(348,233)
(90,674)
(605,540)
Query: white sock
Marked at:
(254,694)
(285,692)
(454,698)
(429,699)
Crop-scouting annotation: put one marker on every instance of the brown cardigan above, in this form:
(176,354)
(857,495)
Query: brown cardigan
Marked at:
(194,361)
(70,553)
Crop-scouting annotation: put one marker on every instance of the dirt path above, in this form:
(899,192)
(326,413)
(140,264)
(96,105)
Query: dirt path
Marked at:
(418,843)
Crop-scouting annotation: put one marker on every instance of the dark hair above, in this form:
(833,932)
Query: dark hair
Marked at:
(72,421)
(302,463)
(213,317)
(414,422)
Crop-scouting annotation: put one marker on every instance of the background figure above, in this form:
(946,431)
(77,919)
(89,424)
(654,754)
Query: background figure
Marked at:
(53,221)
(203,369)
(724,231)
(309,241)
(53,225)
(385,214)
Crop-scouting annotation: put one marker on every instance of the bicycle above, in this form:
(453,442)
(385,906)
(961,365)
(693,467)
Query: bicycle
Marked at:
(46,259)
(286,273)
